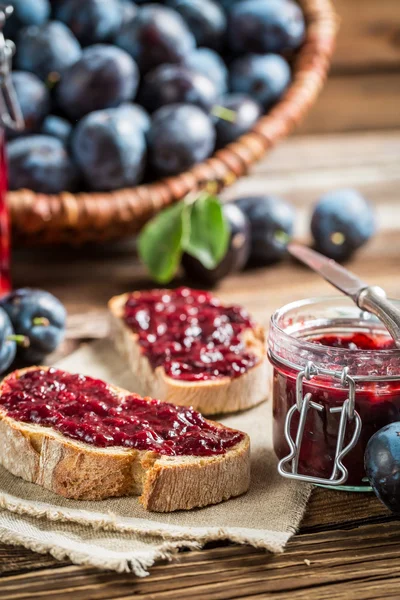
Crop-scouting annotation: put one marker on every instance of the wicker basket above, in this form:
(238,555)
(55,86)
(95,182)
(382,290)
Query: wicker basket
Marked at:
(77,218)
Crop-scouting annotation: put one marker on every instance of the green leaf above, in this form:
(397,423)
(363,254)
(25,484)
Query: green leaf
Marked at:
(209,233)
(160,242)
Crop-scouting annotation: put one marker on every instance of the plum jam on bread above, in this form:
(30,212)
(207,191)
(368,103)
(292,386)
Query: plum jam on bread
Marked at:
(85,439)
(187,347)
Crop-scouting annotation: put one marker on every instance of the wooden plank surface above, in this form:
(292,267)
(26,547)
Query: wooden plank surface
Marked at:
(356,562)
(363,88)
(369,35)
(356,102)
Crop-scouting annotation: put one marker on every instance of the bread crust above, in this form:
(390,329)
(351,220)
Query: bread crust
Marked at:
(80,471)
(212,397)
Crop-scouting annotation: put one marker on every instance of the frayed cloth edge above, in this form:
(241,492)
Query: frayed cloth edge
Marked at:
(137,563)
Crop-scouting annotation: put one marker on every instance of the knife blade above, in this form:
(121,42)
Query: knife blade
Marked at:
(329,269)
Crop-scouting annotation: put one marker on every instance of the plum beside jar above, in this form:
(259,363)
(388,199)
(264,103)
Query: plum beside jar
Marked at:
(334,343)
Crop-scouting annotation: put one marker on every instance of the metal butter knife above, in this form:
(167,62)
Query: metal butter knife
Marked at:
(370,298)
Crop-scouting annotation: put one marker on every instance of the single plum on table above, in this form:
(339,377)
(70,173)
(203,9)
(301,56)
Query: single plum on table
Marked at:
(382,465)
(40,317)
(237,253)
(342,221)
(8,346)
(272,223)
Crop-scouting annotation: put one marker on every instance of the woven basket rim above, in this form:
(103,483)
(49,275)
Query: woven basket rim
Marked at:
(97,216)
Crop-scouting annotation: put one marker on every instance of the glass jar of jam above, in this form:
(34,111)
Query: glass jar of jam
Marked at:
(336,381)
(10,117)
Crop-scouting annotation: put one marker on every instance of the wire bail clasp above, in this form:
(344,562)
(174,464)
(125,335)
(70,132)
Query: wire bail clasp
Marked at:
(10,110)
(288,466)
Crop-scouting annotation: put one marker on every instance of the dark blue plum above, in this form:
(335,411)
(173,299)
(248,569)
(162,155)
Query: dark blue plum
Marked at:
(271,222)
(156,35)
(25,12)
(110,149)
(137,114)
(103,77)
(342,221)
(246,113)
(382,465)
(266,26)
(175,84)
(209,63)
(8,346)
(236,255)
(41,163)
(91,21)
(57,127)
(34,99)
(180,136)
(264,77)
(206,20)
(128,11)
(40,317)
(47,51)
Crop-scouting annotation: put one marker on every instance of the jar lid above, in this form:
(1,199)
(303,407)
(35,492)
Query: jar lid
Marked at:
(295,326)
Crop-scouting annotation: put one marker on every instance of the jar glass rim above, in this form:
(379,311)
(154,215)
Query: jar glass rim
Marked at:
(312,346)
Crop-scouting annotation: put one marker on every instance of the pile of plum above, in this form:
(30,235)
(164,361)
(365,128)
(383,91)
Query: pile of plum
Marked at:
(261,227)
(116,92)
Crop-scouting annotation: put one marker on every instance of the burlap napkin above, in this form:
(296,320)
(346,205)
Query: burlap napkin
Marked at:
(119,534)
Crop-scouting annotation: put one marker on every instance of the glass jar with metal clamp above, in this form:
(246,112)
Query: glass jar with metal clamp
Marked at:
(336,381)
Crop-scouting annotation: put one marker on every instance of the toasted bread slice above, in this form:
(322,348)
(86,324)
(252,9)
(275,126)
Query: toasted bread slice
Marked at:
(210,397)
(75,469)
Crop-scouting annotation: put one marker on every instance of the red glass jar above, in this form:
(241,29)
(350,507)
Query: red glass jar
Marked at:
(5,281)
(331,362)
(10,117)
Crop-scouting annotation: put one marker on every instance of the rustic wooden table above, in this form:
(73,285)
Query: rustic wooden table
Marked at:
(348,545)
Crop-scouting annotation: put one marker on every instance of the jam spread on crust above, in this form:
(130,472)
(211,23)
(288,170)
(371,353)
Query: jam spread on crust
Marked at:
(190,333)
(85,409)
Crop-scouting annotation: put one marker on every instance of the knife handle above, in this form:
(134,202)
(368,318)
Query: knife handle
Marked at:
(374,300)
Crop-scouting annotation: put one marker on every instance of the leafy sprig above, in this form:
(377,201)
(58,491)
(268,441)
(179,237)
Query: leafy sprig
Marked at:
(196,226)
